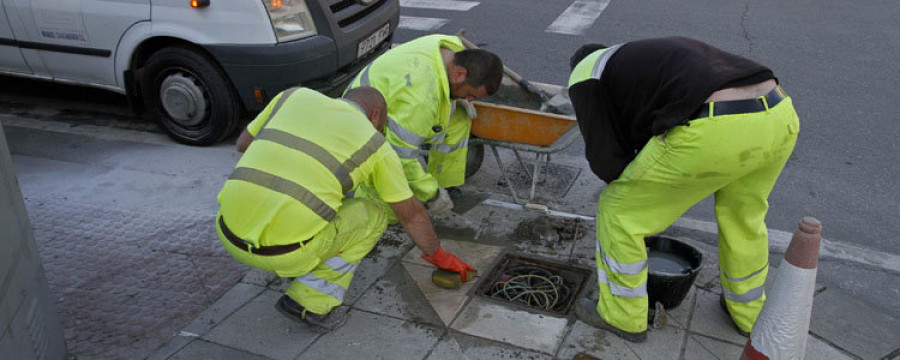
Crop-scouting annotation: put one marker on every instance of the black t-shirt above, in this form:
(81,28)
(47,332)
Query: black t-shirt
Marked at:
(647,87)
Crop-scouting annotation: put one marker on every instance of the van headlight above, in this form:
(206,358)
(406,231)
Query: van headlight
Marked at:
(290,19)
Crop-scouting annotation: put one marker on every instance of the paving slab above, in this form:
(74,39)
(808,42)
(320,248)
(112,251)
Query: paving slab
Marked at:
(260,329)
(203,350)
(447,303)
(661,344)
(709,319)
(479,256)
(868,333)
(818,349)
(489,320)
(374,336)
(602,344)
(478,348)
(397,295)
(704,348)
(447,349)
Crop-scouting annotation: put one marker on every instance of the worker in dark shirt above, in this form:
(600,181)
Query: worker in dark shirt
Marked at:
(666,123)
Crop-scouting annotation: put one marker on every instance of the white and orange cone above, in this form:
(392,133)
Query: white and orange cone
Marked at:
(781,330)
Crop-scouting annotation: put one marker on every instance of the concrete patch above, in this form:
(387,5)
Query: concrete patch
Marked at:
(543,333)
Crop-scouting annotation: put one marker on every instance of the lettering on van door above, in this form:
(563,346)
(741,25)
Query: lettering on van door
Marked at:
(60,20)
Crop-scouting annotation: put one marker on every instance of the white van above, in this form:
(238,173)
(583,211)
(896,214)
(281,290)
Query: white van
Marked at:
(195,65)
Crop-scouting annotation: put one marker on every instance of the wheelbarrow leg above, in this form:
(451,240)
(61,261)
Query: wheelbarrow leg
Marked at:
(537,173)
(522,163)
(505,177)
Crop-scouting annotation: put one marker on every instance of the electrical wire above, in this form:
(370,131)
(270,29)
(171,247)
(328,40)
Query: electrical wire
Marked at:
(531,286)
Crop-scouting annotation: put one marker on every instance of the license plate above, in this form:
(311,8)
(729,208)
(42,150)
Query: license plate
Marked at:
(373,40)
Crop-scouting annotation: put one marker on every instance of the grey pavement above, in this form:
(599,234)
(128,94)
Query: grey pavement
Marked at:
(123,220)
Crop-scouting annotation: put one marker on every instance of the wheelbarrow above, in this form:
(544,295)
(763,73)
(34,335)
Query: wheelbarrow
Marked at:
(521,130)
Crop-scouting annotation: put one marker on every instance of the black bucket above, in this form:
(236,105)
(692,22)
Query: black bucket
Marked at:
(672,268)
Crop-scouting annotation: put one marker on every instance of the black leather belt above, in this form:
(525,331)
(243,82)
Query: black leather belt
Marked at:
(741,106)
(262,250)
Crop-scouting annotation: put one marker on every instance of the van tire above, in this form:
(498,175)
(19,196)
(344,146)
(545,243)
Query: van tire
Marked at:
(189,96)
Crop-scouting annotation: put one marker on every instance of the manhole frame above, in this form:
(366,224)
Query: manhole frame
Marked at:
(555,265)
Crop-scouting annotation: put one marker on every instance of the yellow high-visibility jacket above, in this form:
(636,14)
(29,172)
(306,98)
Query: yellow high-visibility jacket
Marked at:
(413,79)
(308,151)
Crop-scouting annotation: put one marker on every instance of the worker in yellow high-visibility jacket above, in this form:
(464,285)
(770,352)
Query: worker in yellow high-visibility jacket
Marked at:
(668,122)
(426,83)
(284,208)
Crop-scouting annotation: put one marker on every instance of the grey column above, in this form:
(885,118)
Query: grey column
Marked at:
(30,325)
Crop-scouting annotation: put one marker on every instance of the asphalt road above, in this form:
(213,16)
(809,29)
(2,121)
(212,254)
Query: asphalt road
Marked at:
(836,58)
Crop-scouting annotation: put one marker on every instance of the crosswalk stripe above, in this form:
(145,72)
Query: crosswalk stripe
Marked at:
(420,23)
(454,5)
(578,17)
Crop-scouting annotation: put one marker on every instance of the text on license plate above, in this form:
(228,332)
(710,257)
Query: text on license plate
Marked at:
(373,40)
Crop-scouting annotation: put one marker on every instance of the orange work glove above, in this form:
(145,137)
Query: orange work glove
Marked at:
(447,261)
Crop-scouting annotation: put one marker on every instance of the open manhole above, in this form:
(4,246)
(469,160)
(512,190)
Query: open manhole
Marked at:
(533,284)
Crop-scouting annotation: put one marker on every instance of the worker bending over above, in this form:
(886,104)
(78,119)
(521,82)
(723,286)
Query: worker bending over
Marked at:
(425,81)
(284,208)
(666,123)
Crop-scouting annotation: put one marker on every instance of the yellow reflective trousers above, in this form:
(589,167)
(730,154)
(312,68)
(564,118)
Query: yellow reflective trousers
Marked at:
(323,268)
(736,158)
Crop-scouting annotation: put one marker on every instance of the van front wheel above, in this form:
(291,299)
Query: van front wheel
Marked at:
(189,96)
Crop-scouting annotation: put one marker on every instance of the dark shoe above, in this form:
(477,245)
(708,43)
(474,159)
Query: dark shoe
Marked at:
(318,323)
(586,310)
(725,309)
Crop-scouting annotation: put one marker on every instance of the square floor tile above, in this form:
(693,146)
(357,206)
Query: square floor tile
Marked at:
(264,330)
(446,302)
(479,256)
(485,319)
(709,319)
(373,336)
(397,295)
(595,342)
(704,348)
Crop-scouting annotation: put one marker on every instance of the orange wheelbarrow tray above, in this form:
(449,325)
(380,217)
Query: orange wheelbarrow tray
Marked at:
(520,129)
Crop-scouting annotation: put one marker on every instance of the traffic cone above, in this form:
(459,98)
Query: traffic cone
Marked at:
(781,330)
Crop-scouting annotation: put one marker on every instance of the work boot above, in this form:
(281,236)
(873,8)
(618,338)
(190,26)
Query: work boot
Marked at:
(316,322)
(586,310)
(725,309)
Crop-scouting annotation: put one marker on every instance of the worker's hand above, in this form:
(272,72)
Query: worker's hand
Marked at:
(440,203)
(468,106)
(447,261)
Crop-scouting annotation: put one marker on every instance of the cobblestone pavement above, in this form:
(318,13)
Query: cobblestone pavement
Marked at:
(124,282)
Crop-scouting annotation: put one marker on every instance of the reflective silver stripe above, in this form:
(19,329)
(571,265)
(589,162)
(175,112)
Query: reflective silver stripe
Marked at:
(364,77)
(746,297)
(451,148)
(408,136)
(745,277)
(338,264)
(405,152)
(358,158)
(287,187)
(619,290)
(284,96)
(601,62)
(331,289)
(621,268)
(312,149)
(439,138)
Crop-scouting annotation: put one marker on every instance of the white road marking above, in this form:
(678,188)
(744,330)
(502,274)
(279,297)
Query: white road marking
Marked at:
(420,23)
(578,17)
(439,4)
